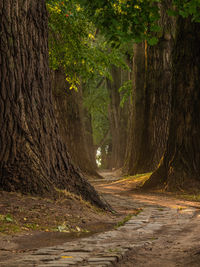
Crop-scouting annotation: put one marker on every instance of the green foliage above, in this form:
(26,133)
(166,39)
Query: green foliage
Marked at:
(186,8)
(69,31)
(124,20)
(153,41)
(75,44)
(125,90)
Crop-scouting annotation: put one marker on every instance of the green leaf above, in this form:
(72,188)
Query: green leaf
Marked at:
(155,28)
(138,40)
(184,14)
(8,218)
(192,8)
(172,12)
(152,41)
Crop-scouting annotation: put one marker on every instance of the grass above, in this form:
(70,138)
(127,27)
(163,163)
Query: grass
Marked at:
(63,194)
(138,178)
(8,225)
(23,214)
(9,228)
(191,197)
(127,218)
(113,250)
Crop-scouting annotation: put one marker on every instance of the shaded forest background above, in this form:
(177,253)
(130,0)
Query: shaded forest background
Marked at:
(113,84)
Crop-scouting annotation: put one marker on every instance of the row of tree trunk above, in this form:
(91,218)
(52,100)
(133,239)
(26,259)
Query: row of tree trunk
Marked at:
(180,166)
(38,132)
(151,99)
(118,118)
(163,130)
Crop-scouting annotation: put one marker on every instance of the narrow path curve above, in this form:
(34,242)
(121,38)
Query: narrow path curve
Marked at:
(177,243)
(164,233)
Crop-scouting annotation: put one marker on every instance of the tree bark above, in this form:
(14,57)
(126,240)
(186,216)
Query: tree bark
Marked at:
(90,147)
(151,101)
(117,118)
(33,158)
(180,167)
(70,115)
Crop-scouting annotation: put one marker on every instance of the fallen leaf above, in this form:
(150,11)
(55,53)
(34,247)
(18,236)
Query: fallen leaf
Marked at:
(78,229)
(8,218)
(66,257)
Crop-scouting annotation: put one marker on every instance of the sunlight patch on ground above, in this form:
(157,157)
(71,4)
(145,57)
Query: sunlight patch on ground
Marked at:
(127,183)
(138,178)
(165,201)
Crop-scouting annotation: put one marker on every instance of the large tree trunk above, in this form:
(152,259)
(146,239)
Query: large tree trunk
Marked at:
(151,101)
(70,115)
(33,158)
(180,167)
(117,118)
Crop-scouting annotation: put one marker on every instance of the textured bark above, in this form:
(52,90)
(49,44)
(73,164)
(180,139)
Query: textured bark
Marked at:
(137,106)
(180,167)
(90,147)
(151,101)
(33,158)
(70,115)
(117,119)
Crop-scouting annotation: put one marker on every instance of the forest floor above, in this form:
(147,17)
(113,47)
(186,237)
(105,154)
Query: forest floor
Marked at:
(29,223)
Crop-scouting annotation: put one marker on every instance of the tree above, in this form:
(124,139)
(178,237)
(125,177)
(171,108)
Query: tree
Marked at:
(181,159)
(180,167)
(33,158)
(151,98)
(118,116)
(85,57)
(70,115)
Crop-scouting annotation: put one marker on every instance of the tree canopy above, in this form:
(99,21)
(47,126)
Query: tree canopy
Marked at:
(76,45)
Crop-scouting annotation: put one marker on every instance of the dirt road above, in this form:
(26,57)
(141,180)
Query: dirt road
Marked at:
(173,245)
